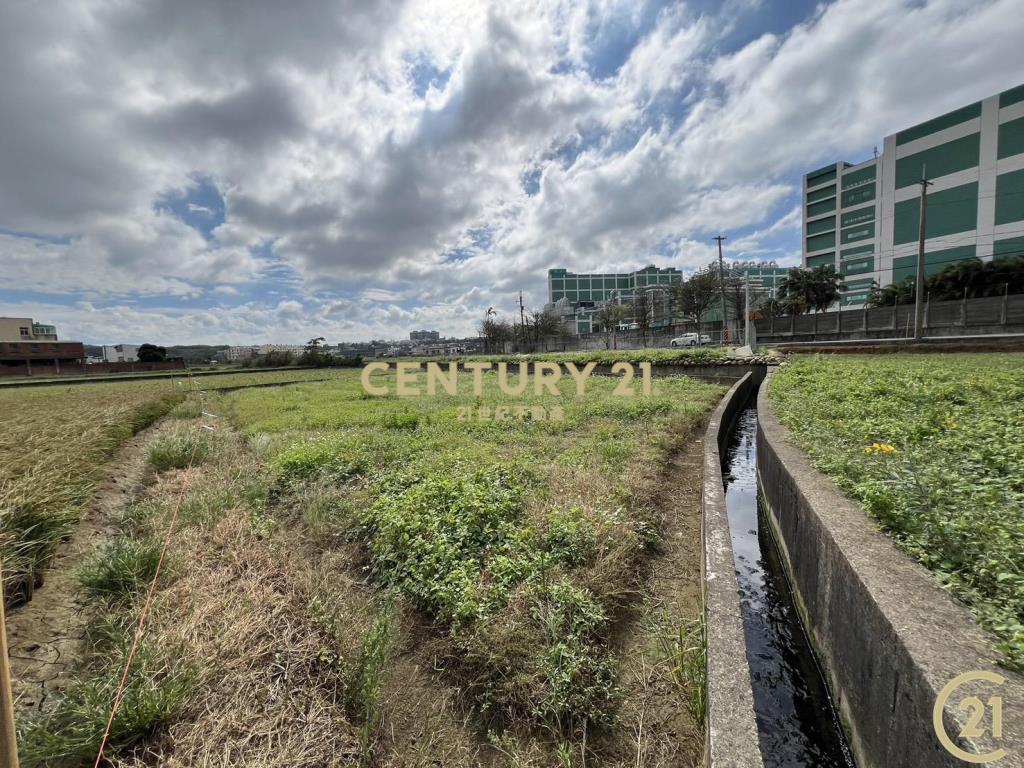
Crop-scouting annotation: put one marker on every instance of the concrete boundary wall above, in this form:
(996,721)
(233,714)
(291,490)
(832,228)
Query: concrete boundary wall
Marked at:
(888,636)
(731,728)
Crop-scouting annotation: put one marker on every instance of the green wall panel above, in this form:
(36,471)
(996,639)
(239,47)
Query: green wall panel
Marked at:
(856,177)
(1011,138)
(950,211)
(858,266)
(1010,246)
(934,261)
(858,195)
(821,225)
(821,194)
(818,242)
(957,155)
(940,123)
(848,252)
(1010,197)
(824,206)
(1012,96)
(820,176)
(822,260)
(858,216)
(859,232)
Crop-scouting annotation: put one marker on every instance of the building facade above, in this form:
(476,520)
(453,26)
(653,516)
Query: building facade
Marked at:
(24,343)
(121,353)
(424,336)
(864,218)
(576,297)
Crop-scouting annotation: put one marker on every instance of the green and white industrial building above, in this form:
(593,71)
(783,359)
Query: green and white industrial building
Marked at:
(863,218)
(577,296)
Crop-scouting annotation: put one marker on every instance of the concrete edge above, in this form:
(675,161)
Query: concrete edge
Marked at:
(731,737)
(889,638)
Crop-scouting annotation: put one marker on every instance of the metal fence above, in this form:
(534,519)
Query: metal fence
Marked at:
(967,317)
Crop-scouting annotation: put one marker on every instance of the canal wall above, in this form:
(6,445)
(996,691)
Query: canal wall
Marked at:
(731,730)
(888,637)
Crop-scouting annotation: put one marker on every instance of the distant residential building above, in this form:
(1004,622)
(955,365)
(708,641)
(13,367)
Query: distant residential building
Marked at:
(24,343)
(863,218)
(424,336)
(295,349)
(121,353)
(240,354)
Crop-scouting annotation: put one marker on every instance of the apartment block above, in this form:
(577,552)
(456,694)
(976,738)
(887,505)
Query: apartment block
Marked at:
(864,218)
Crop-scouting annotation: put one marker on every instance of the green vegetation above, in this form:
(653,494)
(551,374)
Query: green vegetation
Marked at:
(54,443)
(178,449)
(931,446)
(523,539)
(121,568)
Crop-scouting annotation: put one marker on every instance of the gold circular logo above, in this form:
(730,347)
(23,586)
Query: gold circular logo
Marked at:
(976,709)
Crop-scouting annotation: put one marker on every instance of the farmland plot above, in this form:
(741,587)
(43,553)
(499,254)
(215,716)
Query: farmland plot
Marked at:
(402,581)
(931,446)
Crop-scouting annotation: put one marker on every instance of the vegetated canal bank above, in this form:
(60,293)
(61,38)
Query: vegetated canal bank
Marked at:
(796,720)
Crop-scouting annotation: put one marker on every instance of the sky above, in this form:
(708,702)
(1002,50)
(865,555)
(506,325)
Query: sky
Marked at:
(248,171)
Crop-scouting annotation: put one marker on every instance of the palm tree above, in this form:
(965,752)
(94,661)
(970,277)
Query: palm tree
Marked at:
(802,290)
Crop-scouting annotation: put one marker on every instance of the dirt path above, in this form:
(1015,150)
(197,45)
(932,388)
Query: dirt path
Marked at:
(46,636)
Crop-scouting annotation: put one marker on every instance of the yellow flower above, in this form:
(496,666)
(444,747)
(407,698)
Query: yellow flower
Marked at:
(880,448)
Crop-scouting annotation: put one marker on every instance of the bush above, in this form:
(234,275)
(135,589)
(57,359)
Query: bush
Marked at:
(120,569)
(178,449)
(70,733)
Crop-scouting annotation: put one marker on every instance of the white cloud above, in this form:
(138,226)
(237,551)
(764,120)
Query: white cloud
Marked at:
(376,202)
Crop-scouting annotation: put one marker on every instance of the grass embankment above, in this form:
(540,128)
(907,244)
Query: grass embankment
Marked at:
(522,540)
(931,446)
(54,442)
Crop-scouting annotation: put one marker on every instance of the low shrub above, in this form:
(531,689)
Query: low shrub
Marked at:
(120,569)
(178,449)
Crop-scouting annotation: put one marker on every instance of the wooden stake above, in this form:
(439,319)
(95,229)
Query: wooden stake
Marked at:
(8,741)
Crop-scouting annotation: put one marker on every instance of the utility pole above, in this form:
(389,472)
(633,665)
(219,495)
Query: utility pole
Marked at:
(721,288)
(522,317)
(919,283)
(8,745)
(747,328)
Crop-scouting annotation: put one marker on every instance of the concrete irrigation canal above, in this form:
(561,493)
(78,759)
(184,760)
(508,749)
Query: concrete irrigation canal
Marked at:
(796,721)
(827,646)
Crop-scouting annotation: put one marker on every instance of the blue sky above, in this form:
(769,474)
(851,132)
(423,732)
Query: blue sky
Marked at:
(359,169)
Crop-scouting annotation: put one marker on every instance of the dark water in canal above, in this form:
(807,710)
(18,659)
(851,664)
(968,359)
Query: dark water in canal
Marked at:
(796,721)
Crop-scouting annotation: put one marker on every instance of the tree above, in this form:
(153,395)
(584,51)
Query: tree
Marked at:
(643,312)
(693,297)
(894,293)
(545,324)
(805,289)
(314,354)
(495,332)
(150,353)
(772,308)
(608,318)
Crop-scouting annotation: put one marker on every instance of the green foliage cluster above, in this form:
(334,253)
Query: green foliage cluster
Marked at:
(120,569)
(931,446)
(178,448)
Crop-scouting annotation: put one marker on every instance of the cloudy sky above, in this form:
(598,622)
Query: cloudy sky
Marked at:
(235,171)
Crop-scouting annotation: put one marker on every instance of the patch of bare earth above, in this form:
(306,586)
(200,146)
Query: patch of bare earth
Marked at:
(46,636)
(656,728)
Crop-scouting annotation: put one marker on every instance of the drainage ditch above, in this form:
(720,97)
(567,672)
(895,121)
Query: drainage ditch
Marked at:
(796,720)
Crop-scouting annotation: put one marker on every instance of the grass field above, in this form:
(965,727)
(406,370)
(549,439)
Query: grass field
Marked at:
(523,538)
(931,446)
(459,580)
(54,441)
